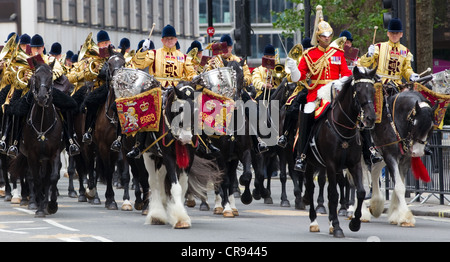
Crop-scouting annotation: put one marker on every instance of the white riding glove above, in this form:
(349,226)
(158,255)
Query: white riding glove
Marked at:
(146,45)
(414,77)
(371,51)
(292,65)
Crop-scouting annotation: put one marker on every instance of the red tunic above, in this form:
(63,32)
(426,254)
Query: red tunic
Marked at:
(334,69)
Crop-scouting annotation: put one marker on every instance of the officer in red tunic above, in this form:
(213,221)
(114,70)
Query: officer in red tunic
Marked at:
(322,64)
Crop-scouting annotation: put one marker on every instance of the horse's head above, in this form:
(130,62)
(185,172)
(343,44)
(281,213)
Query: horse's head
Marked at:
(180,113)
(41,84)
(420,119)
(364,94)
(115,61)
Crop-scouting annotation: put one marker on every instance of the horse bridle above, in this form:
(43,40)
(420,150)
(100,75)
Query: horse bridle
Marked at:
(34,91)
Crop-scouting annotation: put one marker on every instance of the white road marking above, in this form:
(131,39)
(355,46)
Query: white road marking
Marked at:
(56,224)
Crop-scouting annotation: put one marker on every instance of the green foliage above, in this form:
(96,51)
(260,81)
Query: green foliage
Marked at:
(357,16)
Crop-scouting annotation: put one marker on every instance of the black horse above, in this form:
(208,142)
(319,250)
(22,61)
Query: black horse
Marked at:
(338,145)
(406,125)
(41,144)
(171,174)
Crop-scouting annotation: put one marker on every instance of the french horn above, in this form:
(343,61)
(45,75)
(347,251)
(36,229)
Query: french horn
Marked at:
(295,53)
(9,48)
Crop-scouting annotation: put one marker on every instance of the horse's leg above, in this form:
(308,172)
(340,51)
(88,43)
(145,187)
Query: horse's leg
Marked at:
(108,168)
(38,186)
(125,180)
(377,200)
(321,179)
(71,173)
(177,213)
(52,207)
(227,188)
(157,214)
(283,179)
(403,215)
(309,183)
(356,172)
(246,177)
(343,186)
(333,198)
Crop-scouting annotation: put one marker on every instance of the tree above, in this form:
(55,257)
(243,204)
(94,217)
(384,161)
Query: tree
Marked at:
(357,16)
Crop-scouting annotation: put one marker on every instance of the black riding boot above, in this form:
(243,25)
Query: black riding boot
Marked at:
(90,123)
(73,148)
(260,146)
(370,154)
(138,146)
(289,124)
(117,144)
(6,126)
(306,122)
(13,150)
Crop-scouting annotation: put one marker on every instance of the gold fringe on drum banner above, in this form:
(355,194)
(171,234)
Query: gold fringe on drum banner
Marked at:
(140,113)
(215,111)
(443,101)
(378,102)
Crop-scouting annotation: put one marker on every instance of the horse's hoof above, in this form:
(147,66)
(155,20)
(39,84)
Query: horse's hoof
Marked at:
(138,205)
(8,198)
(355,225)
(314,228)
(268,201)
(338,233)
(32,206)
(90,193)
(182,225)
(321,209)
(246,197)
(342,212)
(82,198)
(156,221)
(39,214)
(218,211)
(52,208)
(126,206)
(235,212)
(111,205)
(256,195)
(285,203)
(407,224)
(190,203)
(204,207)
(73,194)
(95,201)
(300,204)
(144,212)
(228,214)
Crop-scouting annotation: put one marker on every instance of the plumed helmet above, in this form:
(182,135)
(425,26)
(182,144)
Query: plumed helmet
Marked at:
(321,27)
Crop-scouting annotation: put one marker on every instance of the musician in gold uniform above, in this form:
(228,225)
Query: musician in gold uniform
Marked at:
(167,64)
(392,59)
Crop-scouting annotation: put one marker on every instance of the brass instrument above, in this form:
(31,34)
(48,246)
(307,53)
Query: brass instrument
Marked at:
(19,60)
(339,43)
(9,48)
(295,53)
(193,55)
(278,70)
(90,50)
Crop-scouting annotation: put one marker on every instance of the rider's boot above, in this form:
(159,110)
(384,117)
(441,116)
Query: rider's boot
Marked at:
(288,125)
(370,154)
(306,122)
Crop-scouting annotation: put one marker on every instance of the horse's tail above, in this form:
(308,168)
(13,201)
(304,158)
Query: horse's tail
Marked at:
(18,166)
(204,174)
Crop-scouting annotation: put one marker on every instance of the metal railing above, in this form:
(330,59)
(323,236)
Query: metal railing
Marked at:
(438,166)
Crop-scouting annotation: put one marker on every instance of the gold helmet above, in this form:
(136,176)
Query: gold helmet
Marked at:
(321,27)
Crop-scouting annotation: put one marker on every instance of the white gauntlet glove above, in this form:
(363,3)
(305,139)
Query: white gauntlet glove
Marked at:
(414,77)
(146,45)
(371,51)
(292,66)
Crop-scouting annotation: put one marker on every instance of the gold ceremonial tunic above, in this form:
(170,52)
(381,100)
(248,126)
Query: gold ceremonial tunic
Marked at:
(261,76)
(167,65)
(393,61)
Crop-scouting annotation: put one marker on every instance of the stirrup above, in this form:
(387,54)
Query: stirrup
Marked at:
(300,163)
(116,145)
(13,151)
(2,145)
(87,138)
(74,150)
(374,155)
(282,141)
(261,147)
(134,153)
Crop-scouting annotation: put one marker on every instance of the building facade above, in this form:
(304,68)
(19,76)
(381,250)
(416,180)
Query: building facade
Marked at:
(70,21)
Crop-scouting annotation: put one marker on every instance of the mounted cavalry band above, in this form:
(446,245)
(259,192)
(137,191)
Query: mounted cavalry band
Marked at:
(148,82)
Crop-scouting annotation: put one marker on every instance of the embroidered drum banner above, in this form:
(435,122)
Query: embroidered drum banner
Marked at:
(141,112)
(443,100)
(215,112)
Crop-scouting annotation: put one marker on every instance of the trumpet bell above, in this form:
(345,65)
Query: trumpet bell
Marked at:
(295,53)
(339,43)
(89,48)
(9,48)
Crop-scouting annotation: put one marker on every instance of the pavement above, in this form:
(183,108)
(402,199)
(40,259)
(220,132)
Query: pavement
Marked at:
(428,204)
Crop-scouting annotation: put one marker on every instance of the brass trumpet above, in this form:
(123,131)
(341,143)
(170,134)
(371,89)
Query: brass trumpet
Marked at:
(295,53)
(9,48)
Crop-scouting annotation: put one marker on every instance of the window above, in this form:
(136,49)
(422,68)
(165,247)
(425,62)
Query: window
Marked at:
(57,11)
(259,42)
(41,10)
(100,12)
